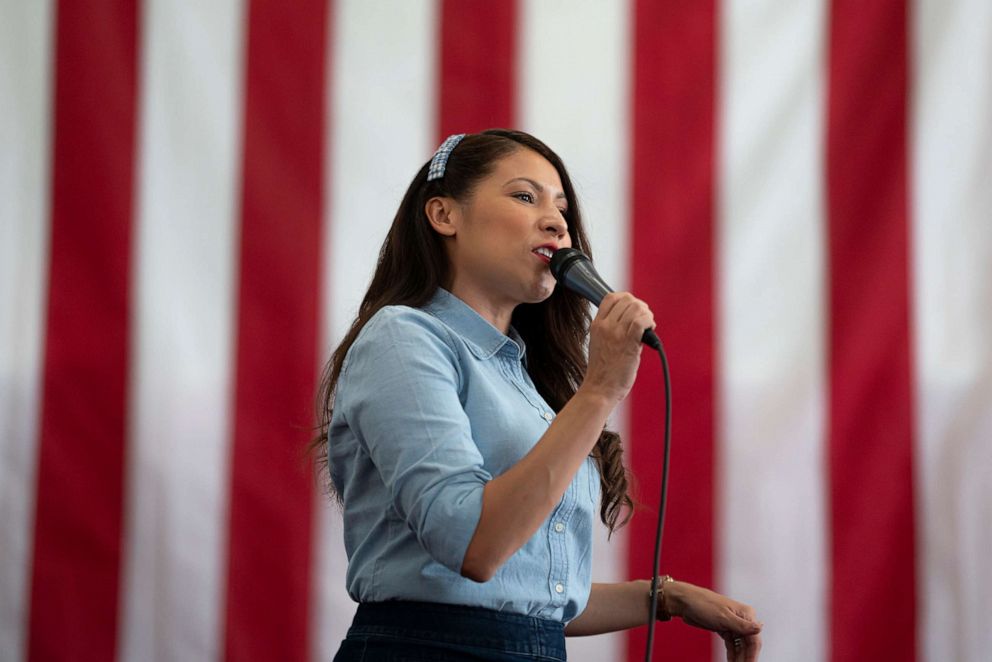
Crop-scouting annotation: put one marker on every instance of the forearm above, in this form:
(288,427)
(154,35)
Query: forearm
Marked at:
(612,607)
(515,503)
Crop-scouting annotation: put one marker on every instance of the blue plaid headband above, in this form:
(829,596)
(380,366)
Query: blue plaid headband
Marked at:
(440,159)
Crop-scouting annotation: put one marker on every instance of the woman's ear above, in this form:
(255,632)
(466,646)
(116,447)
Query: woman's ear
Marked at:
(441,212)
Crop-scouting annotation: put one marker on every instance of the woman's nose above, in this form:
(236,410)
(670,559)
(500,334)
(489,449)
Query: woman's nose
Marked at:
(556,225)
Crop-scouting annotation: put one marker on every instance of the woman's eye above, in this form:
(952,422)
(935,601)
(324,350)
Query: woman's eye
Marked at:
(564,212)
(526,197)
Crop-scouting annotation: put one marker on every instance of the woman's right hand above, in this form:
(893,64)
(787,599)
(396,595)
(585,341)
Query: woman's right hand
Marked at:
(735,622)
(615,345)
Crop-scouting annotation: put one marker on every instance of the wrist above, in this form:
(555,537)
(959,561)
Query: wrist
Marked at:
(667,605)
(595,399)
(675,597)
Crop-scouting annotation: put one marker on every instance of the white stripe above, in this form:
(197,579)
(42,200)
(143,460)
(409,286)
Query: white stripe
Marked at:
(184,303)
(573,73)
(771,511)
(952,232)
(26,47)
(382,90)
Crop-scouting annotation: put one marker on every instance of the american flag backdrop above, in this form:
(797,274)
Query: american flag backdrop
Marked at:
(192,196)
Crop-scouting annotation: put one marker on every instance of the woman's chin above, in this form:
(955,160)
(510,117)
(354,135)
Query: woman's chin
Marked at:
(541,291)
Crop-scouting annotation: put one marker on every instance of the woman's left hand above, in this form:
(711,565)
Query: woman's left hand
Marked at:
(734,621)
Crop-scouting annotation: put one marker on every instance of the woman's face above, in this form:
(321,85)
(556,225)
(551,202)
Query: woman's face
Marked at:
(500,239)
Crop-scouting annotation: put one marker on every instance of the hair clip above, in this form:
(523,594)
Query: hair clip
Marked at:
(440,158)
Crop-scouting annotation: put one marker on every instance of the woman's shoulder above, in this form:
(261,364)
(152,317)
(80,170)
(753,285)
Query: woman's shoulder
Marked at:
(403,324)
(400,334)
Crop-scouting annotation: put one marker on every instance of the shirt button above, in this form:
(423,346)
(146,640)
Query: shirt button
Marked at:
(559,527)
(548,415)
(559,588)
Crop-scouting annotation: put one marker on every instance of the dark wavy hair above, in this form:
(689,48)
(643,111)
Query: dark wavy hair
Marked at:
(413,264)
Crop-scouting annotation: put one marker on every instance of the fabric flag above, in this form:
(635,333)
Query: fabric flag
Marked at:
(192,197)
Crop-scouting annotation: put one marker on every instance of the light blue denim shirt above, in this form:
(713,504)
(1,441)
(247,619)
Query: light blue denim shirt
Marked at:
(431,404)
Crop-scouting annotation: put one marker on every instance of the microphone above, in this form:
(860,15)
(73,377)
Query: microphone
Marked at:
(573,269)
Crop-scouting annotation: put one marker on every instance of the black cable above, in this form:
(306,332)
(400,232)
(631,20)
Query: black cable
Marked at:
(661,506)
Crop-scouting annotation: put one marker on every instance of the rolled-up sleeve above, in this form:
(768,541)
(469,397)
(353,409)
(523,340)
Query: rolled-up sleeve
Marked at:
(399,394)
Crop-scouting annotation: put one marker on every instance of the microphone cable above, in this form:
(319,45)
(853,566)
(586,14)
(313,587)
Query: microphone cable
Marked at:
(653,608)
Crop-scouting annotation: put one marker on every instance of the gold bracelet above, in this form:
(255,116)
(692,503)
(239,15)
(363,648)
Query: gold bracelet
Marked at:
(658,584)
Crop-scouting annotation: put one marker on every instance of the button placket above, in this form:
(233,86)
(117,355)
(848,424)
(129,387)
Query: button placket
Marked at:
(513,370)
(558,543)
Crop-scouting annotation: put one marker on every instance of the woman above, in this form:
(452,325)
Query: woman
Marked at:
(464,426)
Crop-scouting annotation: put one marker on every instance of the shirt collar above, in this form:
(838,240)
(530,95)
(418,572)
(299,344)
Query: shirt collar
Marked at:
(482,338)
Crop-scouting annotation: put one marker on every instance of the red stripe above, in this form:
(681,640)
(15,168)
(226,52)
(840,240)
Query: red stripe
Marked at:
(672,248)
(77,536)
(271,484)
(478,58)
(871,474)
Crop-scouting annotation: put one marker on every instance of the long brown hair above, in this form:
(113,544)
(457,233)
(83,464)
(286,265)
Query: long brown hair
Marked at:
(413,264)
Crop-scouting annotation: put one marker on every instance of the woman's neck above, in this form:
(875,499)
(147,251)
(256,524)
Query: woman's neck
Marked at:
(493,311)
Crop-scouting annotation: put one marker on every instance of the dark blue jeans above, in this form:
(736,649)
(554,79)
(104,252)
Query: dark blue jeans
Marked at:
(426,631)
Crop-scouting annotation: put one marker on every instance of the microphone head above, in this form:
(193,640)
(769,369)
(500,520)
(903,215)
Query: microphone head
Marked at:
(563,259)
(573,269)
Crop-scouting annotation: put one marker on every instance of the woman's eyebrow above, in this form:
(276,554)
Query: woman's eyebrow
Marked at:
(538,187)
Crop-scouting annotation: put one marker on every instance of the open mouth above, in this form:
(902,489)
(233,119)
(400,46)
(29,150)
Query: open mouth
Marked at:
(543,252)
